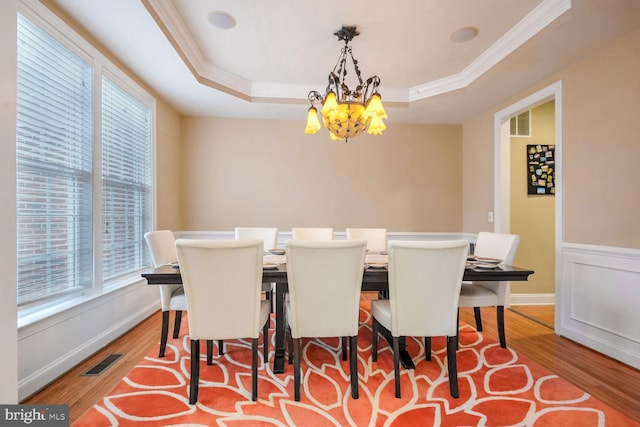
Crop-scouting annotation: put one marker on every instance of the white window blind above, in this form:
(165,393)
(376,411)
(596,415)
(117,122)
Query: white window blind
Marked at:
(126,181)
(54,167)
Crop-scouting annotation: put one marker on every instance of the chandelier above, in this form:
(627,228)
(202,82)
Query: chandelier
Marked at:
(347,113)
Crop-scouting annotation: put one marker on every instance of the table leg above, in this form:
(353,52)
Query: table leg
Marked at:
(279,350)
(405,357)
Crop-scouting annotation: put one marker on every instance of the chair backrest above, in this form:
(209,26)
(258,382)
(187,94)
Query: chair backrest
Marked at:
(325,278)
(310,233)
(162,245)
(497,245)
(222,282)
(502,246)
(424,286)
(376,237)
(269,235)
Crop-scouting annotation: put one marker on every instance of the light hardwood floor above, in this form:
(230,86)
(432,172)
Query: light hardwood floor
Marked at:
(614,383)
(544,314)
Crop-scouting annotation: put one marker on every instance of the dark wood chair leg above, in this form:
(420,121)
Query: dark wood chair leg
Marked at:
(344,347)
(374,340)
(427,348)
(265,342)
(290,345)
(353,367)
(270,298)
(163,333)
(396,365)
(501,334)
(458,329)
(478,316)
(452,365)
(296,369)
(176,324)
(254,369)
(209,352)
(220,347)
(195,372)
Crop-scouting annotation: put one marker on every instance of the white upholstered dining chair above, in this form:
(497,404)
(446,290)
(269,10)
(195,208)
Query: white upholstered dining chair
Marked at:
(325,278)
(163,252)
(312,233)
(491,294)
(376,237)
(424,287)
(268,235)
(222,282)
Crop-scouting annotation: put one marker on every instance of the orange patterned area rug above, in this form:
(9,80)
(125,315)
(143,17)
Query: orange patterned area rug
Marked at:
(497,388)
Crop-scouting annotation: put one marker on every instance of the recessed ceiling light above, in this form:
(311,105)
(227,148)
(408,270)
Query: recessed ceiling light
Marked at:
(464,34)
(221,20)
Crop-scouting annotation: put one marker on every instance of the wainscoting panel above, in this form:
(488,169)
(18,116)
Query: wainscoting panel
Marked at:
(598,298)
(49,347)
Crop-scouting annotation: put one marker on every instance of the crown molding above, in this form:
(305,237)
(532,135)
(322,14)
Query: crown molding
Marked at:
(529,26)
(168,19)
(175,30)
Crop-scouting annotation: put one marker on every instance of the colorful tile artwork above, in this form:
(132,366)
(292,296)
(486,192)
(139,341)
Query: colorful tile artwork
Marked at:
(541,169)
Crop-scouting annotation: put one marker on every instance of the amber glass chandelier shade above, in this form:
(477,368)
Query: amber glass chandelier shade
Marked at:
(313,125)
(375,108)
(346,120)
(329,103)
(377,126)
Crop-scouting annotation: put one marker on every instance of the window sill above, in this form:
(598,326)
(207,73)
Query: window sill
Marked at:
(72,304)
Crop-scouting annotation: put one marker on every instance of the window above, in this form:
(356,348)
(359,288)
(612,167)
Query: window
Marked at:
(521,124)
(126,181)
(60,191)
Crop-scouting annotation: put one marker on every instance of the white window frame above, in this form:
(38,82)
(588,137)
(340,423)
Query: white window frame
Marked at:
(102,66)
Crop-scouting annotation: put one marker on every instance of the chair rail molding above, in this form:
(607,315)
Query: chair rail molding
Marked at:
(597,297)
(283,236)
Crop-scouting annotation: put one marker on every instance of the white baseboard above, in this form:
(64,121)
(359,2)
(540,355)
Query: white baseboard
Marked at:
(532,299)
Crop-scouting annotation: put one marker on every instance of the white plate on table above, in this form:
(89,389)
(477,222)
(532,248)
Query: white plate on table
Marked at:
(277,251)
(377,265)
(485,266)
(268,266)
(485,260)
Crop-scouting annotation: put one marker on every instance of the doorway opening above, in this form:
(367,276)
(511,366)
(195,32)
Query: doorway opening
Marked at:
(503,174)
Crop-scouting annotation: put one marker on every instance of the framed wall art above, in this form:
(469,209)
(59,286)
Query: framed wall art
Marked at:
(541,167)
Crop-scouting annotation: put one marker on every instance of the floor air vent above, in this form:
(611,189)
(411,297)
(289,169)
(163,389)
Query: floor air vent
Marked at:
(103,365)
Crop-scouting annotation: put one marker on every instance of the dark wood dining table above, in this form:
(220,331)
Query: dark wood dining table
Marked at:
(373,279)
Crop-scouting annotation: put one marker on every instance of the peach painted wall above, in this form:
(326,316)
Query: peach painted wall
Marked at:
(168,168)
(268,173)
(601,149)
